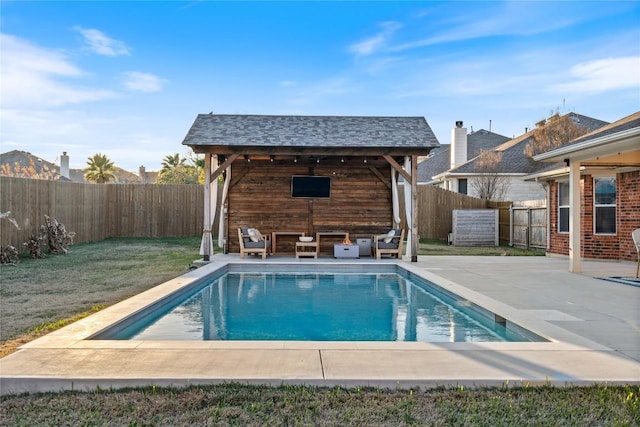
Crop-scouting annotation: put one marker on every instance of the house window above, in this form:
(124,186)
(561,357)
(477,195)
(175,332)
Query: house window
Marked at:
(563,207)
(462,186)
(604,205)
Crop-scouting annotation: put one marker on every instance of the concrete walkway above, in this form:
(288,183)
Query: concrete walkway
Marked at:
(593,328)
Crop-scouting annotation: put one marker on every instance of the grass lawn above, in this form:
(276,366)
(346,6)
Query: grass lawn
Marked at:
(38,296)
(439,247)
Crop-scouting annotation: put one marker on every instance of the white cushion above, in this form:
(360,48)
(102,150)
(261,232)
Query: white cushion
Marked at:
(391,235)
(252,234)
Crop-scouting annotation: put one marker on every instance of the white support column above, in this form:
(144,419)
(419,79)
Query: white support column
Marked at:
(574,217)
(408,208)
(414,208)
(206,247)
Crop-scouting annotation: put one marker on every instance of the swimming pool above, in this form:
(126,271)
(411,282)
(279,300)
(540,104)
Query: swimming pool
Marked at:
(281,304)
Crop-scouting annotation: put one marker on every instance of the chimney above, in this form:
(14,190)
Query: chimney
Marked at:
(64,165)
(458,145)
(142,173)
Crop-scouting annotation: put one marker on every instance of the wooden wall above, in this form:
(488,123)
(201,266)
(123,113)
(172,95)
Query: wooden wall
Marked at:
(260,197)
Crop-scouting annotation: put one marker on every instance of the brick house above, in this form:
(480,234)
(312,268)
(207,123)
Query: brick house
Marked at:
(595,191)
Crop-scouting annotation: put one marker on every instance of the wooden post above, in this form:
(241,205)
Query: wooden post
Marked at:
(414,208)
(205,248)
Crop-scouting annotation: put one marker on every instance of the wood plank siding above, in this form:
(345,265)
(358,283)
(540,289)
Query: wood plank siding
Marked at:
(360,201)
(475,227)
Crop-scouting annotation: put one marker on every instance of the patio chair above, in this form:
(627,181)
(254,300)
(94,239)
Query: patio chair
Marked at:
(635,234)
(253,242)
(388,244)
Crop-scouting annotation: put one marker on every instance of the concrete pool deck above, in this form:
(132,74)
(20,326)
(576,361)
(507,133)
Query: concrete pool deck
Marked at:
(593,328)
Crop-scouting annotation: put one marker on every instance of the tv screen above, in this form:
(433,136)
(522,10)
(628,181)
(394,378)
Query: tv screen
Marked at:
(311,186)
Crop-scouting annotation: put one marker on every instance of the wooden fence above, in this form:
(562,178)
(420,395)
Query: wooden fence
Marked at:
(529,224)
(435,210)
(475,227)
(504,220)
(98,211)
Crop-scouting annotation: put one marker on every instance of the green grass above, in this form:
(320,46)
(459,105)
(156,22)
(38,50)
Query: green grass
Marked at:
(47,291)
(42,295)
(235,404)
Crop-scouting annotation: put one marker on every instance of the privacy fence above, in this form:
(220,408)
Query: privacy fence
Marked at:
(435,210)
(99,211)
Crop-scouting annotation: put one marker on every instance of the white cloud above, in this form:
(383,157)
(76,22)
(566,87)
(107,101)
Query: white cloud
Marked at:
(287,83)
(99,43)
(602,75)
(375,43)
(34,77)
(316,93)
(502,19)
(142,82)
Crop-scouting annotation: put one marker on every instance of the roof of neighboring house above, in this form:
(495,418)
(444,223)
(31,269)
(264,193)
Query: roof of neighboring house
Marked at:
(436,162)
(439,159)
(483,140)
(17,159)
(251,131)
(514,160)
(624,128)
(629,122)
(52,171)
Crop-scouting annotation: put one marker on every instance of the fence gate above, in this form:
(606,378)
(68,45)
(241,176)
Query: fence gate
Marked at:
(529,227)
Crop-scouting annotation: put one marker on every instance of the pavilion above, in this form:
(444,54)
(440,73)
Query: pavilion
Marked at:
(253,159)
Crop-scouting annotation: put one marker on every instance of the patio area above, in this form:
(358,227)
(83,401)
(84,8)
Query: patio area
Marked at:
(593,327)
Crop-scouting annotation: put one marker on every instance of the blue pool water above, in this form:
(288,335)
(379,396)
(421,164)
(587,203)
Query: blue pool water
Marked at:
(315,307)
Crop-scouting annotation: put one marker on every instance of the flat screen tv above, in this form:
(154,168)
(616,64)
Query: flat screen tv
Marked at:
(311,186)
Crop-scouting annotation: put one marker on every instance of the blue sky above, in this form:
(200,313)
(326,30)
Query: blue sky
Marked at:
(128,78)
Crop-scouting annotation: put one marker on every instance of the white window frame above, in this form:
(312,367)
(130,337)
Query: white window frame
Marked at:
(567,206)
(603,205)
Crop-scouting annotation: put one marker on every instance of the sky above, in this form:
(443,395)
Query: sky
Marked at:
(127,79)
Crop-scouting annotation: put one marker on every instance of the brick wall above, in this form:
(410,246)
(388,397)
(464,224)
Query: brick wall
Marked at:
(558,242)
(628,212)
(618,246)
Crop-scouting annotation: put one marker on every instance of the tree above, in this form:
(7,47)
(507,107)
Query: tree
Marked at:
(172,161)
(31,171)
(198,163)
(175,170)
(554,132)
(100,169)
(490,183)
(181,174)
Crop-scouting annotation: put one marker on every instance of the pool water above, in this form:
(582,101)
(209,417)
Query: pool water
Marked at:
(315,307)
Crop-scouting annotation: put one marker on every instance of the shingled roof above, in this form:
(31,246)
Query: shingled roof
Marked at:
(626,123)
(514,160)
(263,131)
(439,160)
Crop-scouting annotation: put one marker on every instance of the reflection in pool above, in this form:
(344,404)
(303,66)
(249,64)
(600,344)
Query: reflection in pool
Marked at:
(315,307)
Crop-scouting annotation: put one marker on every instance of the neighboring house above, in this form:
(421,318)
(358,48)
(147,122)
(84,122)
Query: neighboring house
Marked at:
(24,164)
(440,159)
(511,166)
(594,193)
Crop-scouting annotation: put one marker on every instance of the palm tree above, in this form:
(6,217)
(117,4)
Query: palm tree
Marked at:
(171,162)
(100,169)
